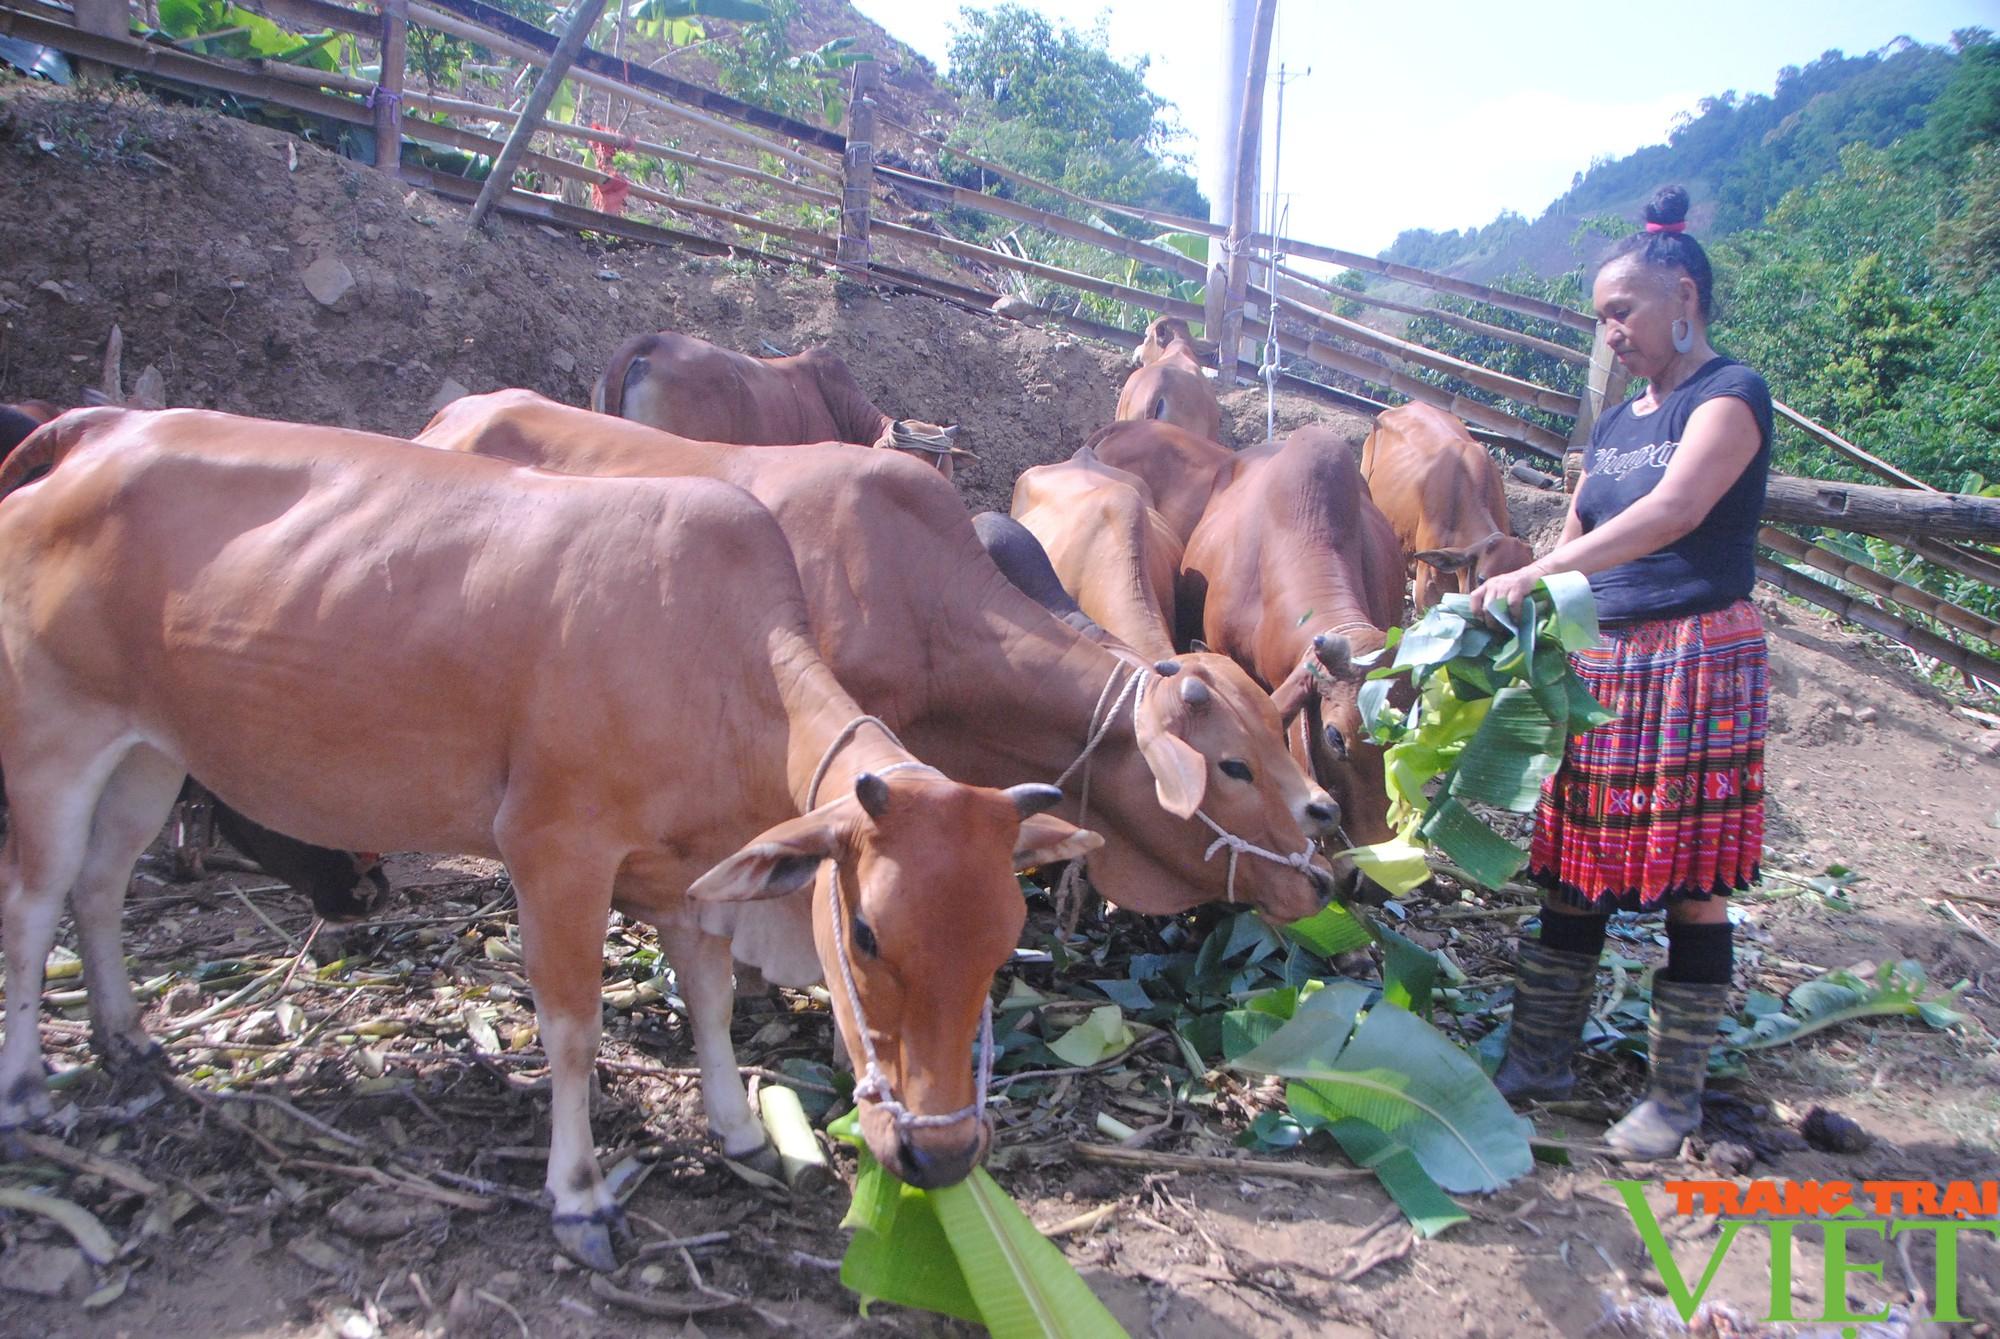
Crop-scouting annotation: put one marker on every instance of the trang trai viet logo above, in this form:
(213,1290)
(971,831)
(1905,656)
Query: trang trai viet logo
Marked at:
(1839,1209)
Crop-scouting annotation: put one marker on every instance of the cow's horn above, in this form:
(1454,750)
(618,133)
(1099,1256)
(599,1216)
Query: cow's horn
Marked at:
(873,792)
(1032,798)
(1194,692)
(1335,653)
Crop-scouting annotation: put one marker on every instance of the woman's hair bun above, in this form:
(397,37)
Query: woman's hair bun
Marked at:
(1669,205)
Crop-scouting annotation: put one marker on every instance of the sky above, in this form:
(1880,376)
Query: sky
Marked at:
(1442,113)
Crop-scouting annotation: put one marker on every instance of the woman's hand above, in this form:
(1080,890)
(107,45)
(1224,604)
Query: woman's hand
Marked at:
(1507,589)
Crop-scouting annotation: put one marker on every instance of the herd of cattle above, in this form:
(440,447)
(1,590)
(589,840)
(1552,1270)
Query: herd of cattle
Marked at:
(790,704)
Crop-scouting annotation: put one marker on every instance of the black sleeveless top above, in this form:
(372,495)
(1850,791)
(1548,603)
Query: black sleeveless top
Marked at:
(1712,566)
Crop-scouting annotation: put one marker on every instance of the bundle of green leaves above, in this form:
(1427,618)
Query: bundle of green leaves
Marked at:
(1493,709)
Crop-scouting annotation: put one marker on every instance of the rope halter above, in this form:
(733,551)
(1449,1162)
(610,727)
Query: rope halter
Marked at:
(872,1085)
(1102,717)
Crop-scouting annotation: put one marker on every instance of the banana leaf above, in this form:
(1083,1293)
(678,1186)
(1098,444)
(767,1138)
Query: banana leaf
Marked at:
(1515,749)
(1399,1074)
(1330,931)
(1490,859)
(1898,989)
(966,1251)
(1427,1207)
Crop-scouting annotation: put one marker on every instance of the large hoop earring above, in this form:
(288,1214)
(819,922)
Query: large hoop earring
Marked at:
(1683,333)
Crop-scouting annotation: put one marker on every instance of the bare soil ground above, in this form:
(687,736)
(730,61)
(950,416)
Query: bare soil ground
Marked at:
(370,1163)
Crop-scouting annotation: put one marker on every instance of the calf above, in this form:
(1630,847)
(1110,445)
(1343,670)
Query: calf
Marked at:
(1443,495)
(1291,569)
(1110,549)
(691,388)
(608,684)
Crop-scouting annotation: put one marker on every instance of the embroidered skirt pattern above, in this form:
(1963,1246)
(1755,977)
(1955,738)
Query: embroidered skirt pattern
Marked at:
(1666,801)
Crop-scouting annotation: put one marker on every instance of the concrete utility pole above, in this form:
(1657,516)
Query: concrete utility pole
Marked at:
(1219,182)
(1243,215)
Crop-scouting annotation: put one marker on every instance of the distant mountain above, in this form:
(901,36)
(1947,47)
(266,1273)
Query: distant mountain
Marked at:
(1738,155)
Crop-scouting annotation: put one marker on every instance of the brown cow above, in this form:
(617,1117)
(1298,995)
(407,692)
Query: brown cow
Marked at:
(609,684)
(1180,467)
(1169,385)
(928,634)
(1442,494)
(1112,552)
(1292,559)
(1166,337)
(691,388)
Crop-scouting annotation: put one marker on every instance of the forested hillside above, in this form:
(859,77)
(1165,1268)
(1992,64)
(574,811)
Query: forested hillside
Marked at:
(1738,154)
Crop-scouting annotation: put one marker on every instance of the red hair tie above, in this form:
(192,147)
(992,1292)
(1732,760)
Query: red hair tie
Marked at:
(1677,226)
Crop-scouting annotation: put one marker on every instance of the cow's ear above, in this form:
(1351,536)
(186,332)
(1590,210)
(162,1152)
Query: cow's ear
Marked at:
(1291,696)
(1180,773)
(1046,839)
(1446,560)
(781,861)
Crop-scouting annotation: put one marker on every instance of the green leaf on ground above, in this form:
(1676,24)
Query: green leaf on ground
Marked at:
(1428,1208)
(1102,1034)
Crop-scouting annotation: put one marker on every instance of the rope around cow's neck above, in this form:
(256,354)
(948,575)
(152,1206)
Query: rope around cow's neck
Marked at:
(873,1083)
(1102,717)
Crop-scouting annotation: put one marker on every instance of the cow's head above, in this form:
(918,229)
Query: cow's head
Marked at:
(1159,340)
(1214,747)
(1442,571)
(1320,704)
(913,874)
(934,444)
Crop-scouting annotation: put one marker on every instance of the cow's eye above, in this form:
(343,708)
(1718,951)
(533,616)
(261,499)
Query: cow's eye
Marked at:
(864,937)
(1238,769)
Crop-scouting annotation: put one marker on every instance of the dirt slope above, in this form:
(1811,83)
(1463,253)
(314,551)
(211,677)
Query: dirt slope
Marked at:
(195,234)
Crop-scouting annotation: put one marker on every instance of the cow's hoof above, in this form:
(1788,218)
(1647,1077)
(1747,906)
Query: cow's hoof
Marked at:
(25,1103)
(128,1058)
(587,1237)
(763,1158)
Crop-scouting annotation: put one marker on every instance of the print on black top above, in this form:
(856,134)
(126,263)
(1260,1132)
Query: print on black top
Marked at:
(1712,566)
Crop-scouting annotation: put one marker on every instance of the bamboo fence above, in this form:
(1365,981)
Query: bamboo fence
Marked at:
(1941,528)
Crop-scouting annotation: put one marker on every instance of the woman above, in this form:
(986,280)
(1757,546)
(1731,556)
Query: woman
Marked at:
(1664,805)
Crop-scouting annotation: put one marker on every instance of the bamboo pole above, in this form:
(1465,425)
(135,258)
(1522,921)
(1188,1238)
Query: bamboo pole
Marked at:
(1499,383)
(388,95)
(1495,297)
(473,143)
(1605,386)
(857,183)
(582,19)
(590,134)
(450,23)
(1243,215)
(1874,464)
(1866,577)
(167,63)
(1981,567)
(1137,297)
(1816,592)
(316,16)
(1466,323)
(1887,512)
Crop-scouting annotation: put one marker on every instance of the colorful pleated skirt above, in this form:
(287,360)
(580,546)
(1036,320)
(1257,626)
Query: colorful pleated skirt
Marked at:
(1666,801)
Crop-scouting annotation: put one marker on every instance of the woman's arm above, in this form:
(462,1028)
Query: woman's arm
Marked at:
(1720,442)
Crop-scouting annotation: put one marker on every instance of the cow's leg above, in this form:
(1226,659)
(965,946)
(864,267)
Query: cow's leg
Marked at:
(135,803)
(564,892)
(702,967)
(50,807)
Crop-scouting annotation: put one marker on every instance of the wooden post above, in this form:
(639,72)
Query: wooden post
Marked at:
(1608,379)
(1243,221)
(106,18)
(388,95)
(857,170)
(573,38)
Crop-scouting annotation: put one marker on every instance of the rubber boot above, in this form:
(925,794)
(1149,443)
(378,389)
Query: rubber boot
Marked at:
(1679,1037)
(1552,989)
